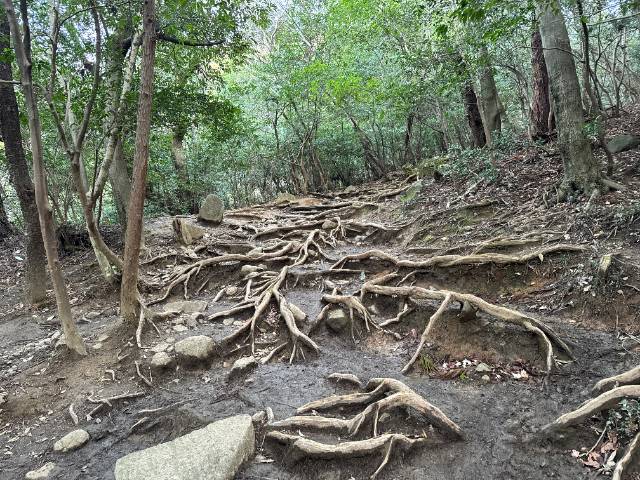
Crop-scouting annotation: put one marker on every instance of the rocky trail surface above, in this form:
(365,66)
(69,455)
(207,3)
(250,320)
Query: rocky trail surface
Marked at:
(453,319)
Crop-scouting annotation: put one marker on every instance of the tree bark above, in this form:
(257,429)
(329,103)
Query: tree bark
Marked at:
(474,119)
(35,270)
(6,229)
(22,47)
(489,99)
(581,171)
(120,184)
(540,103)
(129,289)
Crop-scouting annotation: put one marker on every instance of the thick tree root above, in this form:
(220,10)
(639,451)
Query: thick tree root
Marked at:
(627,378)
(300,447)
(455,260)
(602,402)
(381,395)
(549,340)
(627,458)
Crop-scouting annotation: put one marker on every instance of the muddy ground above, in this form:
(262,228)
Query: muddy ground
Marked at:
(597,315)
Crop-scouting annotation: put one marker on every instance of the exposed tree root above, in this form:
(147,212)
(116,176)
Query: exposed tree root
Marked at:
(549,340)
(604,401)
(627,458)
(454,260)
(301,447)
(381,395)
(629,377)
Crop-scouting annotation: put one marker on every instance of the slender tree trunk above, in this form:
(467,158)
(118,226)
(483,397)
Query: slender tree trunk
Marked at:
(540,104)
(581,171)
(129,288)
(474,119)
(22,47)
(35,271)
(489,99)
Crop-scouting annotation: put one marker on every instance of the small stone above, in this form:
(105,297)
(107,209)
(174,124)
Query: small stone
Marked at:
(161,347)
(237,323)
(285,197)
(212,209)
(259,418)
(337,320)
(195,349)
(228,321)
(103,338)
(91,315)
(161,360)
(485,378)
(242,366)
(329,225)
(180,328)
(192,322)
(170,340)
(247,269)
(231,291)
(71,441)
(185,232)
(350,189)
(186,306)
(97,346)
(41,473)
(483,367)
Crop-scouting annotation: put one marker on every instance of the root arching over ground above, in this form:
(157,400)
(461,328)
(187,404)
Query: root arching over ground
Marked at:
(614,390)
(380,396)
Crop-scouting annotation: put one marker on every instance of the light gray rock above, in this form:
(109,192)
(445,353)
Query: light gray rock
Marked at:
(242,366)
(622,143)
(212,209)
(161,360)
(483,368)
(337,320)
(486,378)
(329,225)
(231,291)
(214,452)
(41,473)
(285,197)
(71,441)
(186,306)
(247,269)
(195,349)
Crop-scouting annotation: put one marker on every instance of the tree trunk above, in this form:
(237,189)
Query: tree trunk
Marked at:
(371,158)
(35,271)
(474,119)
(129,287)
(23,55)
(581,171)
(6,229)
(489,99)
(540,104)
(120,184)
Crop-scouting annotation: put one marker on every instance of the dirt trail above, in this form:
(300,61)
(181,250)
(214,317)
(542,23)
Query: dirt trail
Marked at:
(520,306)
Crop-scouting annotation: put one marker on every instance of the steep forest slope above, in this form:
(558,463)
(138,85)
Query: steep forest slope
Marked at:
(483,297)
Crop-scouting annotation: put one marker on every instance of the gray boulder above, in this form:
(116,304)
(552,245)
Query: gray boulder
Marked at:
(71,441)
(212,209)
(195,349)
(622,143)
(214,452)
(242,365)
(337,320)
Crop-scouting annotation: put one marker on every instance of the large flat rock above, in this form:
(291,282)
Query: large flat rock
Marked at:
(214,452)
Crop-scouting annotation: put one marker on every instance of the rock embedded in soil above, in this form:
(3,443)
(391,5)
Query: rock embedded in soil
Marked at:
(197,348)
(242,366)
(71,441)
(161,361)
(483,367)
(212,209)
(329,225)
(186,306)
(41,473)
(337,320)
(623,142)
(214,452)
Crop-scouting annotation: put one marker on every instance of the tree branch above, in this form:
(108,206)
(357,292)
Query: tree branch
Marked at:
(160,35)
